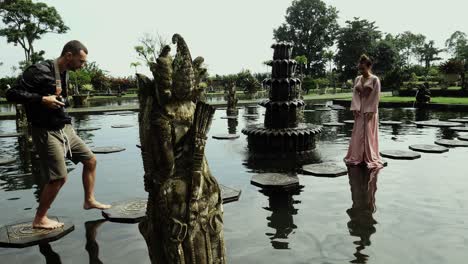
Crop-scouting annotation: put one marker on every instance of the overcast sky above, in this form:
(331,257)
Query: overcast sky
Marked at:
(231,34)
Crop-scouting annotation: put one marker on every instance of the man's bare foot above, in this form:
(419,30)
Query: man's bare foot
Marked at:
(46,223)
(95,205)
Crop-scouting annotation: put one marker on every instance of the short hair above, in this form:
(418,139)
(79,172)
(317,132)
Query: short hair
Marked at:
(364,59)
(74,46)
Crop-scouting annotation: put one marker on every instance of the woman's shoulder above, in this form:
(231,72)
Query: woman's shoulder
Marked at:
(375,77)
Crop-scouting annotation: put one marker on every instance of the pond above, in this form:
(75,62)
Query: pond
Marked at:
(419,217)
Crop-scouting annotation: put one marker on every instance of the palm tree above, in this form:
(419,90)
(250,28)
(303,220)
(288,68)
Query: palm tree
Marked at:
(302,61)
(329,56)
(135,65)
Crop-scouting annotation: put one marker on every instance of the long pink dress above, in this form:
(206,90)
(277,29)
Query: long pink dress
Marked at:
(364,144)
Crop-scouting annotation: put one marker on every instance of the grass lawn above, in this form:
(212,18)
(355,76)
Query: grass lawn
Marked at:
(436,100)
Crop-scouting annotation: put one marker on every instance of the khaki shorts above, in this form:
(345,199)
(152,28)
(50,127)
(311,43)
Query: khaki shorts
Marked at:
(54,146)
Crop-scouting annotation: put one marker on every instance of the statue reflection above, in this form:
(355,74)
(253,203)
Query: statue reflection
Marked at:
(50,255)
(232,126)
(281,205)
(91,244)
(363,183)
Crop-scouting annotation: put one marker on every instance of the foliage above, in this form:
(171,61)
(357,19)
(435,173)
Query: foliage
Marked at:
(359,36)
(311,26)
(248,82)
(4,82)
(407,44)
(452,67)
(150,47)
(428,53)
(385,57)
(24,22)
(457,44)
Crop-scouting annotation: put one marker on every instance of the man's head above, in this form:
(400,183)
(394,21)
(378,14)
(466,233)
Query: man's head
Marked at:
(75,54)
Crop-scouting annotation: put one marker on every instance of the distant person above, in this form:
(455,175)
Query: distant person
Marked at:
(364,144)
(42,88)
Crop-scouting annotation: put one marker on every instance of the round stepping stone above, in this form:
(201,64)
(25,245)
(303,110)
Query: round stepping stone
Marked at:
(228,194)
(326,169)
(121,126)
(451,143)
(349,122)
(323,109)
(308,111)
(429,148)
(333,124)
(226,136)
(459,120)
(250,116)
(437,123)
(88,128)
(8,135)
(6,161)
(107,150)
(400,154)
(337,107)
(229,117)
(320,105)
(129,211)
(275,180)
(464,137)
(120,113)
(391,123)
(459,129)
(21,234)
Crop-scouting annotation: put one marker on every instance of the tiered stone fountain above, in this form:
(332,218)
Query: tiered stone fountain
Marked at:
(282,134)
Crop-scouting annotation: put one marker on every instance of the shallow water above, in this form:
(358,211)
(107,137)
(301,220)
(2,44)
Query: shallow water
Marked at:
(420,214)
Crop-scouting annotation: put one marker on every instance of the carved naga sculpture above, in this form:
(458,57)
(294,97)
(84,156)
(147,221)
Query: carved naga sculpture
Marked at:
(184,222)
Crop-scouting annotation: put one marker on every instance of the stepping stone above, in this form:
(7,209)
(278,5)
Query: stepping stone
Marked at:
(107,150)
(319,105)
(120,113)
(6,161)
(229,194)
(333,124)
(229,117)
(429,148)
(308,110)
(129,211)
(221,108)
(437,123)
(323,109)
(459,120)
(7,135)
(451,143)
(464,137)
(326,169)
(459,129)
(121,126)
(337,107)
(400,154)
(349,122)
(275,180)
(88,128)
(391,123)
(250,116)
(21,234)
(226,136)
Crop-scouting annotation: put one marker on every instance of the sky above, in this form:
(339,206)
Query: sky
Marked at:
(230,34)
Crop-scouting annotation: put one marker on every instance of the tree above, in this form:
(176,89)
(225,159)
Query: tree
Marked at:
(302,61)
(135,65)
(329,56)
(359,36)
(247,82)
(428,53)
(150,47)
(407,43)
(311,26)
(385,57)
(24,22)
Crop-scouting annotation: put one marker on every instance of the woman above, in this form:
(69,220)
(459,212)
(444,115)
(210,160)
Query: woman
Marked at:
(364,145)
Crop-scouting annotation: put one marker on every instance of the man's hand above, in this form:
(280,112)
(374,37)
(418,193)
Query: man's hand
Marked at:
(52,102)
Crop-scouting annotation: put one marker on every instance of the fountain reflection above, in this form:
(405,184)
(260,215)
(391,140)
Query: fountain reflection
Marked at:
(363,183)
(91,244)
(232,126)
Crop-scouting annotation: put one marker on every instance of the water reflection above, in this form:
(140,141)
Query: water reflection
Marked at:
(91,244)
(232,126)
(363,183)
(50,255)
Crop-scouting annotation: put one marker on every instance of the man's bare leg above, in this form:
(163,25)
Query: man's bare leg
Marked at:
(48,195)
(89,177)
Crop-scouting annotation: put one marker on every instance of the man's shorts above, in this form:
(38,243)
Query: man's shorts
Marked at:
(54,146)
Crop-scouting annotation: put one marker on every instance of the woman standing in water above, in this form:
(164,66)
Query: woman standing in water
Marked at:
(364,144)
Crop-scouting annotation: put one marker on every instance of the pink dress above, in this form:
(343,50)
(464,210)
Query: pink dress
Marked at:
(364,144)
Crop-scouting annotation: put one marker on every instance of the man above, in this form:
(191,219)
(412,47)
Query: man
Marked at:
(43,90)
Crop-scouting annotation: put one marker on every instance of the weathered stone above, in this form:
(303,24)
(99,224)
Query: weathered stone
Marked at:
(390,123)
(107,150)
(229,117)
(6,161)
(7,135)
(326,169)
(428,148)
(129,211)
(333,124)
(451,143)
(121,126)
(226,136)
(437,123)
(459,129)
(21,234)
(275,180)
(229,194)
(87,129)
(464,137)
(459,120)
(400,154)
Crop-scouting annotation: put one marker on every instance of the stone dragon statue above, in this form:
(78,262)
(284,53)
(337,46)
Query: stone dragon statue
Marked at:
(184,223)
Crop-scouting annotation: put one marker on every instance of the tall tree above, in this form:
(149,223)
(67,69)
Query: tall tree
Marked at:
(359,36)
(311,26)
(428,53)
(407,44)
(328,56)
(385,57)
(457,44)
(24,22)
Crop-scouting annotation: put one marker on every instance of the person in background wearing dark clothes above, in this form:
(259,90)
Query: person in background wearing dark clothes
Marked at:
(42,88)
